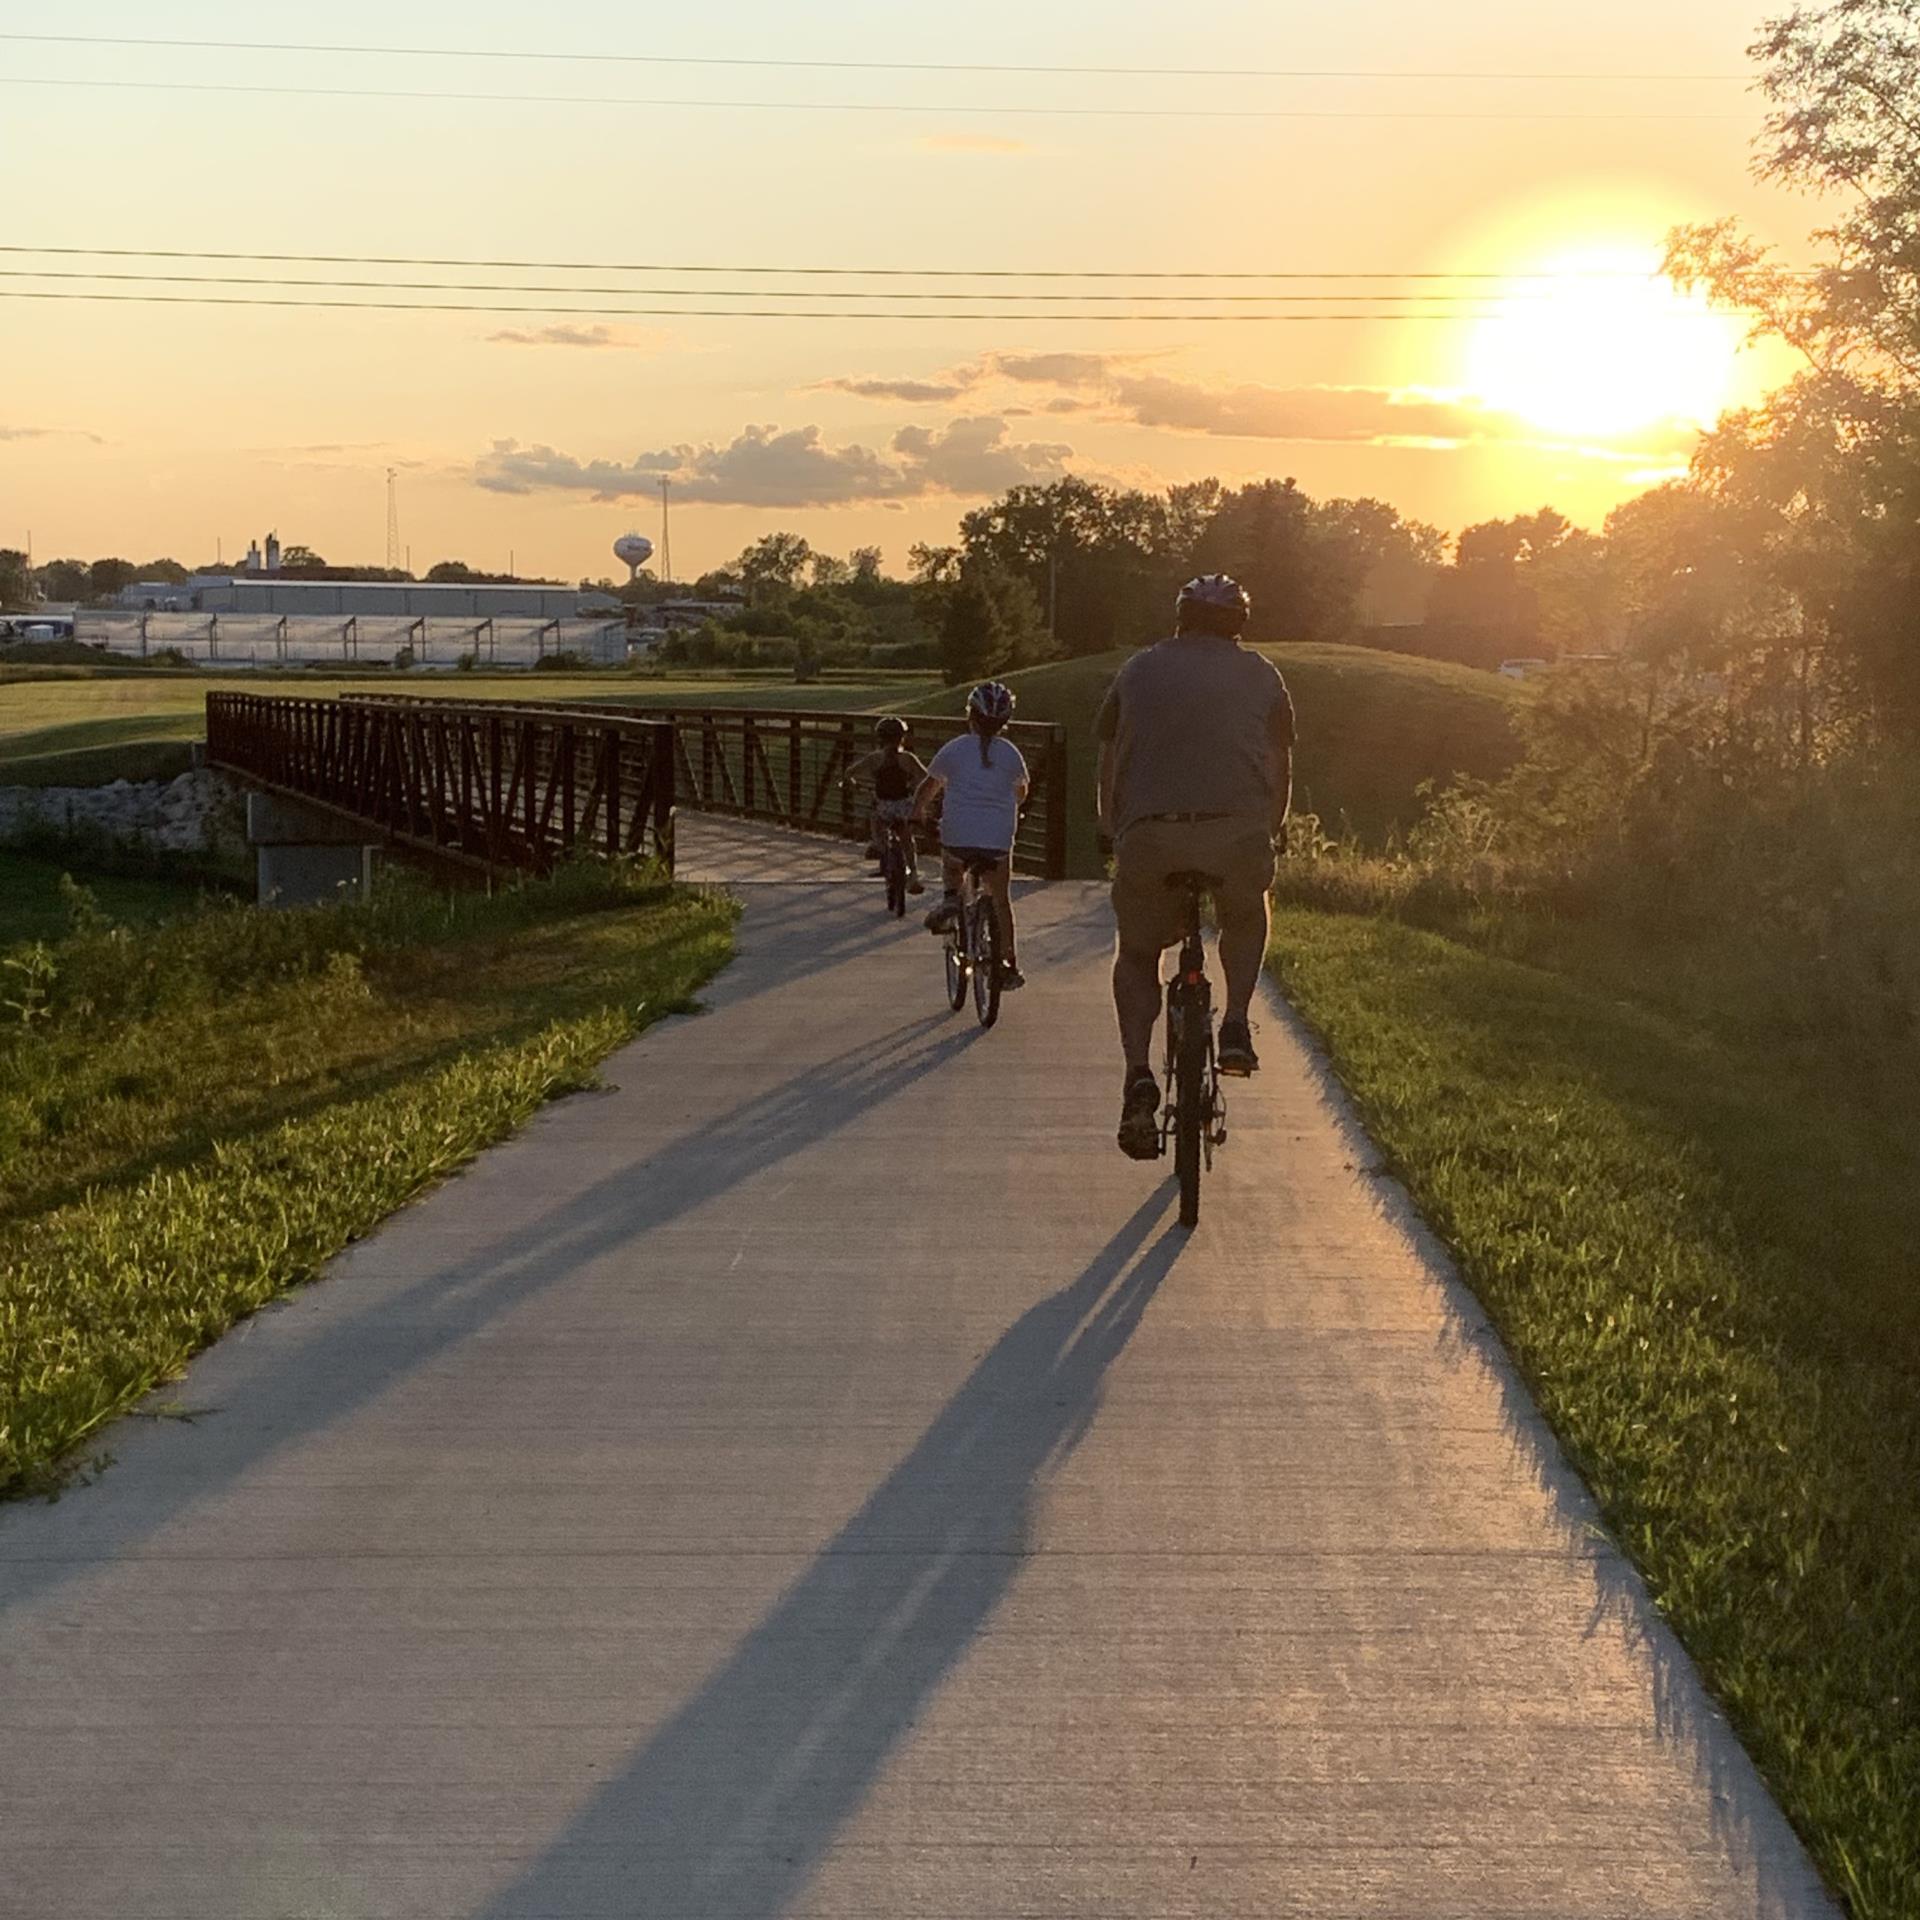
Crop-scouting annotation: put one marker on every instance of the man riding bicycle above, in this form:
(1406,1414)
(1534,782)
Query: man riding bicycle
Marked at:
(894,776)
(1196,776)
(984,777)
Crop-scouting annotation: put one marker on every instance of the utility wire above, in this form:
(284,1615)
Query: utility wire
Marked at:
(749,293)
(923,109)
(855,273)
(529,54)
(726,313)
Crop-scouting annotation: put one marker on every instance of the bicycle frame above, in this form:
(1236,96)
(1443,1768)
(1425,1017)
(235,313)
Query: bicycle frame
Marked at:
(1193,1121)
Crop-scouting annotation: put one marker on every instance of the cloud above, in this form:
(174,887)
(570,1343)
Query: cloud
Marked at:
(563,336)
(1131,389)
(915,392)
(970,143)
(52,433)
(766,467)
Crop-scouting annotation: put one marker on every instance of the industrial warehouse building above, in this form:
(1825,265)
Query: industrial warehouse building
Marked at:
(274,594)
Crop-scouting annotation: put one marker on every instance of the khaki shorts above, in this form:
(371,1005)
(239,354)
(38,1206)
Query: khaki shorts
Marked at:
(1148,912)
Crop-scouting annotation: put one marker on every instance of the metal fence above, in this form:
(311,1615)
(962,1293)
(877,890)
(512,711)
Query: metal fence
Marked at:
(787,768)
(240,641)
(483,785)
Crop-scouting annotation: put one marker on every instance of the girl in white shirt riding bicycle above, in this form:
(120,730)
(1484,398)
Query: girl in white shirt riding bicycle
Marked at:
(985,780)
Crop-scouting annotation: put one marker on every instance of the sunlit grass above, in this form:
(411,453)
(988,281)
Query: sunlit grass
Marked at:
(194,1120)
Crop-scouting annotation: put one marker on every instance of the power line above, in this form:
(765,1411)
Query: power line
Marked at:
(601,58)
(924,109)
(726,313)
(1343,277)
(745,293)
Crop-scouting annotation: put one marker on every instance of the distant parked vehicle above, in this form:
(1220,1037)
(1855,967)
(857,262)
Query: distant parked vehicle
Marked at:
(1523,669)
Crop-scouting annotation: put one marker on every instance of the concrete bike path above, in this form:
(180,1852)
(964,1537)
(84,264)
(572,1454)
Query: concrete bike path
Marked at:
(817,1477)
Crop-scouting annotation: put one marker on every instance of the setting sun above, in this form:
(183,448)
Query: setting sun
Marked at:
(1604,348)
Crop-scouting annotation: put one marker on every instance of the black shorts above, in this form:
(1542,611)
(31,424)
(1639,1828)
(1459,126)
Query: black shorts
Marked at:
(970,856)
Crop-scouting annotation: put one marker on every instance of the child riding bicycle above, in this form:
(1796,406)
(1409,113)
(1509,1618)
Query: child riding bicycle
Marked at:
(985,780)
(893,777)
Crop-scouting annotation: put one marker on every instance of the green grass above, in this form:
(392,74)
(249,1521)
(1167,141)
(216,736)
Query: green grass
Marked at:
(1373,727)
(193,1120)
(33,906)
(1698,1243)
(93,727)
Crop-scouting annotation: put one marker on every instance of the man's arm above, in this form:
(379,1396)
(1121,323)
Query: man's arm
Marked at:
(1280,765)
(1106,730)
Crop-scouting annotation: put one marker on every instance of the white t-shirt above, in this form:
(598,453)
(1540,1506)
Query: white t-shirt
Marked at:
(982,806)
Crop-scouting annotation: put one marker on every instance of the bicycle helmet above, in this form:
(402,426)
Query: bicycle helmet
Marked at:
(890,730)
(1214,603)
(991,701)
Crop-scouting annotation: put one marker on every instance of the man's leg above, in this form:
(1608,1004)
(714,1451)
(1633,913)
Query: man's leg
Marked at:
(1245,921)
(1136,1000)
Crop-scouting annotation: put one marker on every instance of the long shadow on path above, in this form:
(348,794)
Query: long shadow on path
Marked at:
(729,1808)
(317,1379)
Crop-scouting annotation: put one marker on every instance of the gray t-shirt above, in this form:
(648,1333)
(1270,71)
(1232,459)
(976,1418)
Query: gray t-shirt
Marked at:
(1193,722)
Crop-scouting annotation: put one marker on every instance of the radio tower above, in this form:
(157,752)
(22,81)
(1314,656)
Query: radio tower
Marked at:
(666,535)
(393,522)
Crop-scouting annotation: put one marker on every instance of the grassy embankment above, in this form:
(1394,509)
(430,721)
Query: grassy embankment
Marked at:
(1373,727)
(1695,1229)
(194,1120)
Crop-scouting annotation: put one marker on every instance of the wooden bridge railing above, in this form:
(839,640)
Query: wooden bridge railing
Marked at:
(785,767)
(481,784)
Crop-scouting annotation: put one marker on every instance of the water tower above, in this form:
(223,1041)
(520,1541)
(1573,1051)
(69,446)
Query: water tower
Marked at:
(636,550)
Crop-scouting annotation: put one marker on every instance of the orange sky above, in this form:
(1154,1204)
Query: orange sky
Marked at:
(149,429)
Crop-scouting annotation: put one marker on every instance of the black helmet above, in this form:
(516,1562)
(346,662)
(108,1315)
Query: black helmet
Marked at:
(890,730)
(1214,603)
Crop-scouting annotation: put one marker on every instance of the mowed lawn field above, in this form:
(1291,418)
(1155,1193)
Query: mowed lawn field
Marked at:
(84,726)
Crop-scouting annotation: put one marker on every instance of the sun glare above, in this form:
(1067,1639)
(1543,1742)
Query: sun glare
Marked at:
(1604,348)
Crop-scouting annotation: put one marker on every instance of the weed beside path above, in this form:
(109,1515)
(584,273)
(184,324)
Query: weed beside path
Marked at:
(197,1119)
(1699,1248)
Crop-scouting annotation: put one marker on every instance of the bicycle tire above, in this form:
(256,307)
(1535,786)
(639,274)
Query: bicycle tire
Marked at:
(957,969)
(896,869)
(985,946)
(1190,1070)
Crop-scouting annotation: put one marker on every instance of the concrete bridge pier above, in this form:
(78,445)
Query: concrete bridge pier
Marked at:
(305,856)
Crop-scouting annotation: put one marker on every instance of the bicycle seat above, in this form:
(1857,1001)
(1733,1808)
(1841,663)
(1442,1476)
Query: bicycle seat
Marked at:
(1194,882)
(979,864)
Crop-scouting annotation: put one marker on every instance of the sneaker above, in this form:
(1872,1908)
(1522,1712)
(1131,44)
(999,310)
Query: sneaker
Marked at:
(946,916)
(1140,1117)
(1011,978)
(1235,1054)
(915,884)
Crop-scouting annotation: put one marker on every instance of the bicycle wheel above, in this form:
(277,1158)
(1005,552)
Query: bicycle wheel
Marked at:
(985,948)
(1190,1079)
(957,969)
(895,864)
